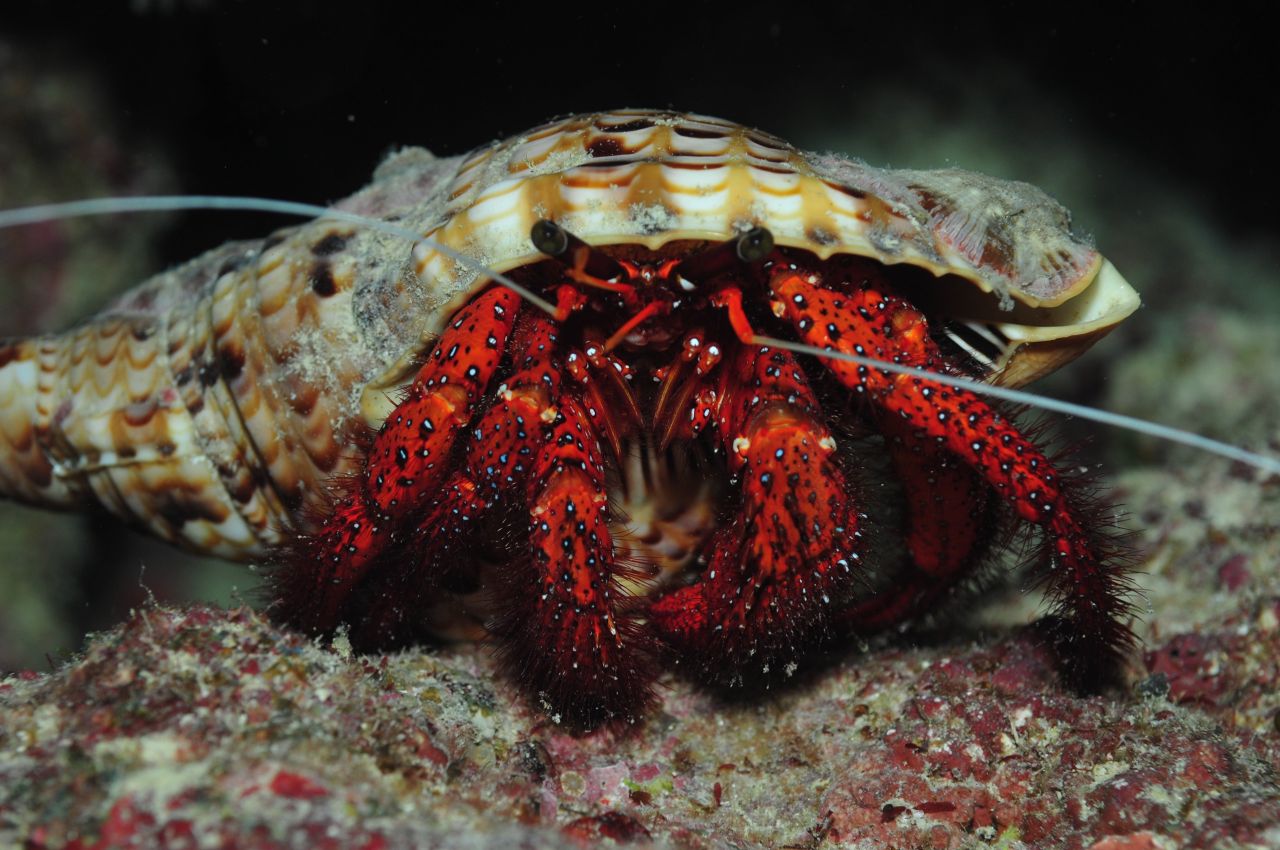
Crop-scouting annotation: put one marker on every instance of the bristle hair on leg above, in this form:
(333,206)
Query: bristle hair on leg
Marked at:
(616,698)
(1090,630)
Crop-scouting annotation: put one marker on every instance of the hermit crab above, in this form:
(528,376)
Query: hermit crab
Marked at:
(614,455)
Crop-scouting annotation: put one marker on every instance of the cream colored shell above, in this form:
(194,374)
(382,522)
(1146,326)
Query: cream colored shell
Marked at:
(213,403)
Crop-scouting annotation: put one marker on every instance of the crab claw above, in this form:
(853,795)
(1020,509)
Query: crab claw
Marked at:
(777,575)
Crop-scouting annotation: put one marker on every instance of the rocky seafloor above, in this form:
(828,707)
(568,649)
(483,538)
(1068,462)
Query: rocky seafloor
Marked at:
(206,727)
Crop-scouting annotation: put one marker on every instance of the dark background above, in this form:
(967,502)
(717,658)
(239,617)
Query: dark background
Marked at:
(299,101)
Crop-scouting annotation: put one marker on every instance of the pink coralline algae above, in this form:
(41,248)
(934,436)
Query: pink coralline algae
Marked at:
(211,728)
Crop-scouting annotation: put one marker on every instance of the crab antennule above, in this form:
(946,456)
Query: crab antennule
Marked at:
(647,312)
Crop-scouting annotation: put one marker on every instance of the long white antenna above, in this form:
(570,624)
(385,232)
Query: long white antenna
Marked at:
(169,203)
(1117,420)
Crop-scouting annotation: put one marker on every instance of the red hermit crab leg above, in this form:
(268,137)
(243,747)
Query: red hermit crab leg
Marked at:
(407,459)
(789,560)
(559,629)
(563,632)
(497,461)
(1084,578)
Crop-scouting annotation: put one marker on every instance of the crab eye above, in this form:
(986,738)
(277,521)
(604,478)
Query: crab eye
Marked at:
(754,245)
(549,238)
(558,243)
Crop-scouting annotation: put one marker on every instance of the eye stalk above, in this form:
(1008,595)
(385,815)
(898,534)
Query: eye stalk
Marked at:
(558,243)
(748,247)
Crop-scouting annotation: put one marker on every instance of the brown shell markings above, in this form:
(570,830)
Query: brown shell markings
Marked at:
(213,403)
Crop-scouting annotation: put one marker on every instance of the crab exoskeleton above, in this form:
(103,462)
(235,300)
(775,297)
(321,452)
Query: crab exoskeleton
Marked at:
(634,474)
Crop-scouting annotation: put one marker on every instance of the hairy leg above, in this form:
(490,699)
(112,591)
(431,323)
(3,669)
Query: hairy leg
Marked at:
(568,633)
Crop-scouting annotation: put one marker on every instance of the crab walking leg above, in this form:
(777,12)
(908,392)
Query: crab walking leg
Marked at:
(505,441)
(407,459)
(788,562)
(1084,569)
(397,590)
(951,511)
(387,606)
(566,634)
(501,446)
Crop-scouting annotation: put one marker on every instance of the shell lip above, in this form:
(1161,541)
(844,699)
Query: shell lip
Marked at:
(1017,347)
(1100,301)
